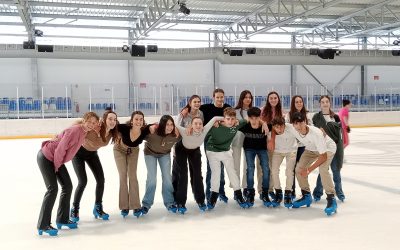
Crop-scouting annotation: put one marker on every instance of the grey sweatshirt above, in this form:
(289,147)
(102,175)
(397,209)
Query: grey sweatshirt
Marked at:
(195,140)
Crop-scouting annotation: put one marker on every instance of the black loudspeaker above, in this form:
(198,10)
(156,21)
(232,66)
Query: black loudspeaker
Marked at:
(138,50)
(236,52)
(29,45)
(251,51)
(45,48)
(152,48)
(395,52)
(326,53)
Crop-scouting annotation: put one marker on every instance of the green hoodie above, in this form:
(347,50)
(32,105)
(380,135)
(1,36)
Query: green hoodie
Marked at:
(221,138)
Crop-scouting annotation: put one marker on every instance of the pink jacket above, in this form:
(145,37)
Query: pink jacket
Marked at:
(65,146)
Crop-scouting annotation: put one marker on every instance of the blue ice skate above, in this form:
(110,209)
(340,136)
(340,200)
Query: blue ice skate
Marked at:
(293,195)
(202,206)
(124,212)
(249,196)
(265,198)
(272,195)
(213,200)
(306,200)
(49,230)
(145,210)
(182,209)
(223,198)
(276,202)
(99,213)
(172,208)
(240,200)
(70,224)
(331,206)
(137,212)
(210,205)
(74,215)
(288,200)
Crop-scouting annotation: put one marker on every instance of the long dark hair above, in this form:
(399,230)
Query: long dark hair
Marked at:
(163,123)
(331,113)
(241,98)
(129,123)
(294,110)
(103,128)
(188,107)
(266,114)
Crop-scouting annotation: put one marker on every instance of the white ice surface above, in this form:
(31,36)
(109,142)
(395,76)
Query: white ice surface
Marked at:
(369,218)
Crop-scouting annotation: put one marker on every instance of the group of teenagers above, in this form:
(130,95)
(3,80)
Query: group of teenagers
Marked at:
(238,136)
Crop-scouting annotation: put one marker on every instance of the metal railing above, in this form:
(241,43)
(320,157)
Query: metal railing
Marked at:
(157,99)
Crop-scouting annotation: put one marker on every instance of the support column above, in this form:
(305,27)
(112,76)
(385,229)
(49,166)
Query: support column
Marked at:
(131,89)
(216,41)
(293,70)
(293,79)
(216,80)
(36,90)
(363,86)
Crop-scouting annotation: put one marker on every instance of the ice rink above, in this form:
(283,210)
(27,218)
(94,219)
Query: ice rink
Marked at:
(368,219)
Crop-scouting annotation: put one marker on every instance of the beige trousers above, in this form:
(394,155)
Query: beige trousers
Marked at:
(307,158)
(126,159)
(277,159)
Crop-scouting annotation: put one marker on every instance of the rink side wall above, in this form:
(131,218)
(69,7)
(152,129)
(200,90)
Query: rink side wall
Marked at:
(40,128)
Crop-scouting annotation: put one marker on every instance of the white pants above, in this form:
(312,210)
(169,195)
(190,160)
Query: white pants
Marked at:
(215,159)
(237,148)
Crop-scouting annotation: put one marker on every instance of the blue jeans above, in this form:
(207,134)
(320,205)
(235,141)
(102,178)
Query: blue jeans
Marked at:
(208,177)
(250,159)
(337,179)
(167,190)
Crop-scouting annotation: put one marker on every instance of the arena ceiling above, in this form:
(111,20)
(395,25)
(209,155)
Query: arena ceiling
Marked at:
(259,23)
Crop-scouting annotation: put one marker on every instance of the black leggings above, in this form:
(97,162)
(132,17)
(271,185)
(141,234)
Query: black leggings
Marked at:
(93,161)
(50,178)
(180,174)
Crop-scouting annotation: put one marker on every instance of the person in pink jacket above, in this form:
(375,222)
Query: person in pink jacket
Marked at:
(51,158)
(344,120)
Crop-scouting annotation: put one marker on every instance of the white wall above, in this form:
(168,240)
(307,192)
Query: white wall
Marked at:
(162,72)
(54,74)
(330,76)
(257,78)
(389,77)
(64,71)
(15,72)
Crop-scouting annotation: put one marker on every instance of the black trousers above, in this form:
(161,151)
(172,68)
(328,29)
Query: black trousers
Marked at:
(50,178)
(180,174)
(93,161)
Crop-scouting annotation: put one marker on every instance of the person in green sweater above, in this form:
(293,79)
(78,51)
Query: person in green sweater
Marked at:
(219,150)
(329,123)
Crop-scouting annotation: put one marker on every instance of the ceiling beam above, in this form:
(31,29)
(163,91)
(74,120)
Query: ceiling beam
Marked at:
(24,13)
(153,15)
(265,13)
(346,17)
